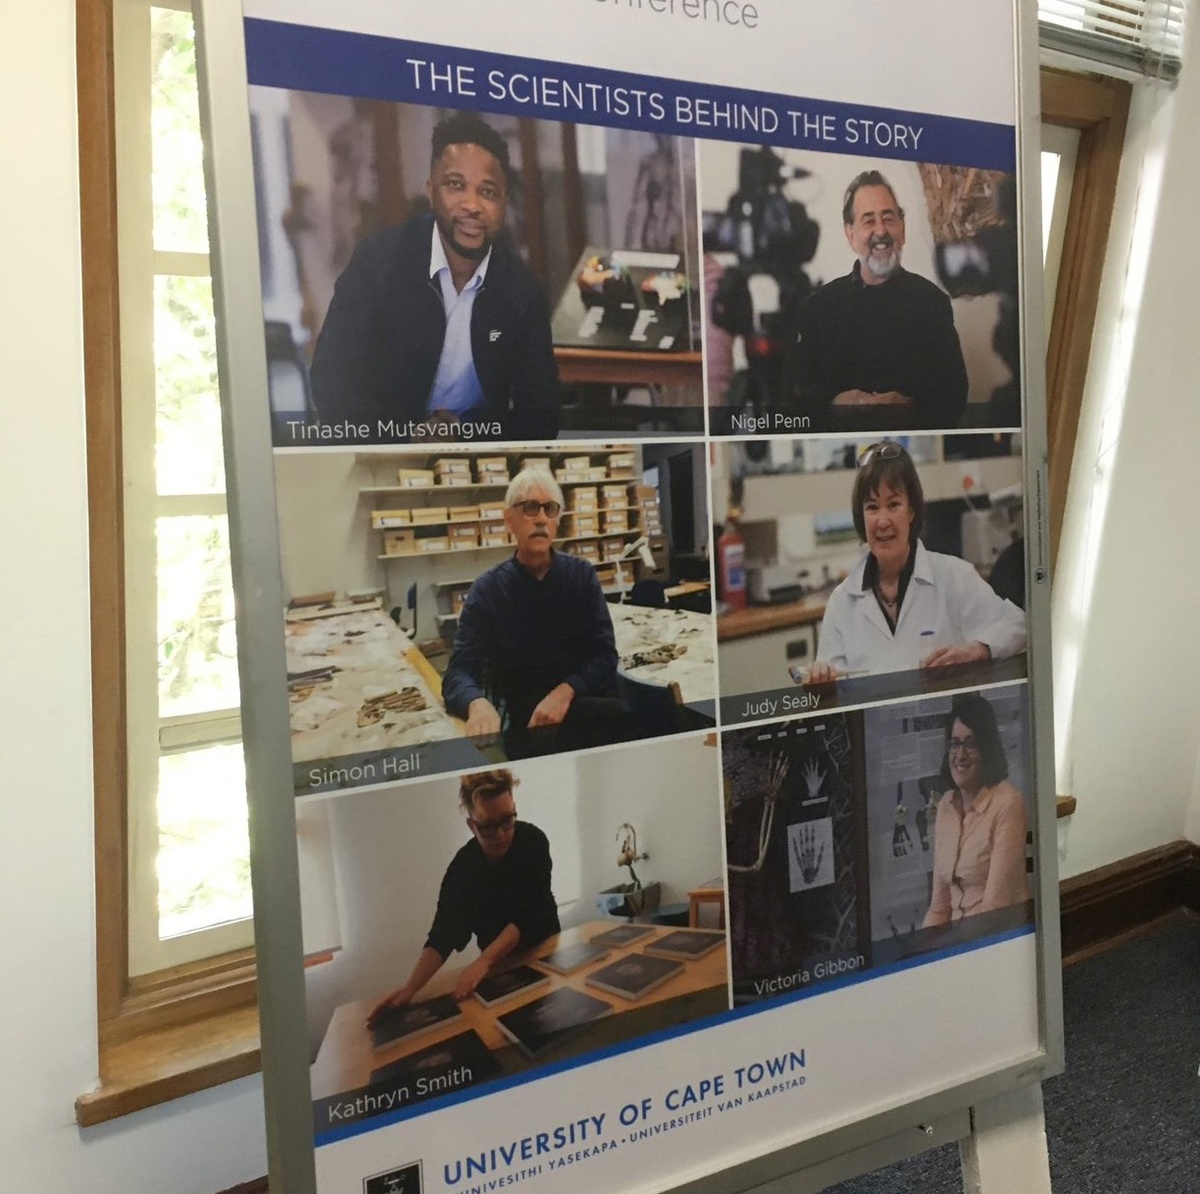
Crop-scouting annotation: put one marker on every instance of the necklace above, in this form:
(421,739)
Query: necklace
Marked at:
(892,603)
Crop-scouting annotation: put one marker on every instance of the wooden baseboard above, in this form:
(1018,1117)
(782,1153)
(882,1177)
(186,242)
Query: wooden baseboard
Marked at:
(1112,900)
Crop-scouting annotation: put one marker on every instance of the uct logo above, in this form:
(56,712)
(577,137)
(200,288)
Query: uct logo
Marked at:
(405,1179)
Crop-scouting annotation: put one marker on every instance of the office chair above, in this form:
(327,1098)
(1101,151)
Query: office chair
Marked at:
(656,708)
(649,593)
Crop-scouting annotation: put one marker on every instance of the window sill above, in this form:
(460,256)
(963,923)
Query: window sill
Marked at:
(170,1062)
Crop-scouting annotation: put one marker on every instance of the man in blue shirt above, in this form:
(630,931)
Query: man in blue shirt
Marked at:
(436,322)
(534,657)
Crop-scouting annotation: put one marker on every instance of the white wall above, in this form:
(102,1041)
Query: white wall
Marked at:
(1131,667)
(670,797)
(325,535)
(47,983)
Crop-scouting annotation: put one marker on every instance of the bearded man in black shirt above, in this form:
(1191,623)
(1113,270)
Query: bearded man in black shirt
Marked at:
(876,348)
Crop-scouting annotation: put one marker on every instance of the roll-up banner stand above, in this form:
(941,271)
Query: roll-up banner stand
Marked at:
(636,461)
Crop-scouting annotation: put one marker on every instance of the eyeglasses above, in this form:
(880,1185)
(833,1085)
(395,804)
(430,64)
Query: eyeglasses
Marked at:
(492,829)
(887,450)
(965,746)
(530,508)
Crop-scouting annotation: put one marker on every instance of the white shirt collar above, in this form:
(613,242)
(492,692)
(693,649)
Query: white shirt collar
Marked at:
(438,262)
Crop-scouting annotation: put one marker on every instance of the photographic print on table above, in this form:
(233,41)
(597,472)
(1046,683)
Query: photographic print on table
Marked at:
(431,876)
(796,855)
(455,607)
(868,295)
(407,1021)
(564,259)
(499,988)
(622,935)
(874,569)
(573,957)
(458,1061)
(636,975)
(538,1027)
(949,814)
(686,944)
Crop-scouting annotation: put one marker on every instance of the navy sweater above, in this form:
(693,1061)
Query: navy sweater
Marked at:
(519,637)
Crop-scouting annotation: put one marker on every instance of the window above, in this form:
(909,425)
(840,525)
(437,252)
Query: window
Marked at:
(173,896)
(1140,35)
(1088,118)
(189,893)
(1059,147)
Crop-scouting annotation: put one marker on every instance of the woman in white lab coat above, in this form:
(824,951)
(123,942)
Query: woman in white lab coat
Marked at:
(905,607)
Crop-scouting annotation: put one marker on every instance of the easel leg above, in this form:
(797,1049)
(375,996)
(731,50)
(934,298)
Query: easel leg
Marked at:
(1006,1149)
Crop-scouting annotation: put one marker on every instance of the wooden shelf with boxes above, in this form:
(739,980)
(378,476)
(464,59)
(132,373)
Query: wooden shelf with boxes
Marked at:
(467,471)
(428,529)
(445,543)
(404,542)
(471,487)
(601,509)
(598,500)
(443,474)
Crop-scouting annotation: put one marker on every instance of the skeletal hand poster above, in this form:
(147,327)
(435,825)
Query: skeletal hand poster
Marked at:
(619,868)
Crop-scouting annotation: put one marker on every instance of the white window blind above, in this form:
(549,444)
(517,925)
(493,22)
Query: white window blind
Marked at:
(1141,35)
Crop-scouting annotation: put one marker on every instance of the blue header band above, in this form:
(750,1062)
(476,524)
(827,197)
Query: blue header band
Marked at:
(304,58)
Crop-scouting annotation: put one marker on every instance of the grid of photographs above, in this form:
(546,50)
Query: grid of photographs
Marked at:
(671,493)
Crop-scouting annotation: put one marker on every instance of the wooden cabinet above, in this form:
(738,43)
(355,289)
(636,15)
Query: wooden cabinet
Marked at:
(759,661)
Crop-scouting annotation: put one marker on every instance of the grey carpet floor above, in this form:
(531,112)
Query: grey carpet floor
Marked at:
(1125,1117)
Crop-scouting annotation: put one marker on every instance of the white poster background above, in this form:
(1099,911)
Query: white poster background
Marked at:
(924,55)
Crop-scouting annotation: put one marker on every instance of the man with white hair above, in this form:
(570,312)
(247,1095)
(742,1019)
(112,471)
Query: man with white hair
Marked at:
(534,656)
(876,347)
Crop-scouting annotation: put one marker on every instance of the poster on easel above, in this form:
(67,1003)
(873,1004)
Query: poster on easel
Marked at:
(642,387)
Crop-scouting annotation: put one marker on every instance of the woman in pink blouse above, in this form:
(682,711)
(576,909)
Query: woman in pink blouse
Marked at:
(979,839)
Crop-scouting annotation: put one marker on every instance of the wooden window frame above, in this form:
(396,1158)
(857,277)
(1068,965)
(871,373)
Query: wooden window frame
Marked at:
(1099,108)
(175,1031)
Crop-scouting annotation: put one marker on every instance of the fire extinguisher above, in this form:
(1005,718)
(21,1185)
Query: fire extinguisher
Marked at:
(731,562)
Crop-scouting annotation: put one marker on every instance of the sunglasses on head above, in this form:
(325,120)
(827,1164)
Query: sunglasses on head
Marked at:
(887,450)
